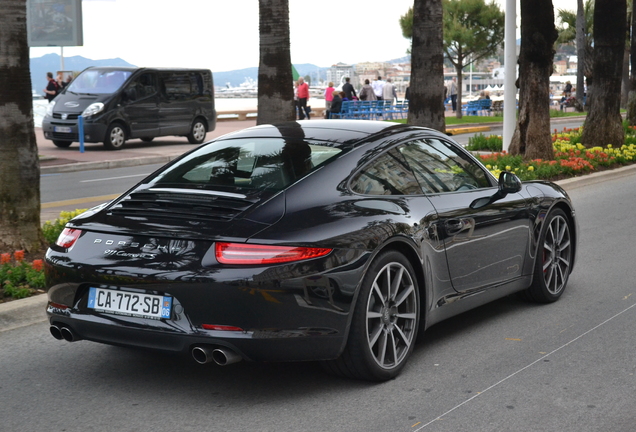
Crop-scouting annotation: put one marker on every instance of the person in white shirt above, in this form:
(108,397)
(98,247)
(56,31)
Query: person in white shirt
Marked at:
(378,86)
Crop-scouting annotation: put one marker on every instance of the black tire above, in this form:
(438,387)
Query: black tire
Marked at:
(197,132)
(554,259)
(385,323)
(115,138)
(62,144)
(147,139)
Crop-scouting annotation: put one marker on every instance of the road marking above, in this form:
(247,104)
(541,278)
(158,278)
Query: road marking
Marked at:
(525,367)
(115,178)
(76,201)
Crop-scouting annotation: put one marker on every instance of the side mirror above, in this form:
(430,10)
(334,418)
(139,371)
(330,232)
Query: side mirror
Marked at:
(508,183)
(130,94)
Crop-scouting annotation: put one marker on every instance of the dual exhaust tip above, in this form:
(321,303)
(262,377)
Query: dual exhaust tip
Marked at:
(219,355)
(201,354)
(63,333)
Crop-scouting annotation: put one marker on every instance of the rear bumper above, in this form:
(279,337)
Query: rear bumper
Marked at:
(251,345)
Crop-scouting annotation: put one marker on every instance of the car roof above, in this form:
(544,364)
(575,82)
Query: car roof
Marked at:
(337,132)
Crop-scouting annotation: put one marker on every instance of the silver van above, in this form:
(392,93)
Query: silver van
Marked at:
(119,103)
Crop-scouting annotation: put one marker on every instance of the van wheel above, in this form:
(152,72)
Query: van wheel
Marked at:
(115,137)
(147,139)
(62,144)
(197,132)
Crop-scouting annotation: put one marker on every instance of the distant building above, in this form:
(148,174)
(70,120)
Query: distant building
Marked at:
(339,71)
(560,67)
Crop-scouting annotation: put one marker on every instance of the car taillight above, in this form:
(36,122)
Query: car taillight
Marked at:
(68,237)
(239,253)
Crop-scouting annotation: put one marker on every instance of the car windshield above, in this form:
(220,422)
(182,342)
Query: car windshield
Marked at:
(98,81)
(247,163)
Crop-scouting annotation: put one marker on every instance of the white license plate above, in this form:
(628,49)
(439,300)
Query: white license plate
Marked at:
(129,303)
(62,129)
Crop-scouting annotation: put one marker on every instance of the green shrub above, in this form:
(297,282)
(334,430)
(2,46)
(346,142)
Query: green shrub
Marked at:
(480,142)
(52,230)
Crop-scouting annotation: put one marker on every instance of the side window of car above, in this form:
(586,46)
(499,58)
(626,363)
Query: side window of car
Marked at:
(440,168)
(145,86)
(386,175)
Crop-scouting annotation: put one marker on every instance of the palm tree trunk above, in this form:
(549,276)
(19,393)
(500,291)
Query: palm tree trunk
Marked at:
(275,80)
(604,123)
(580,52)
(532,135)
(426,106)
(19,164)
(631,100)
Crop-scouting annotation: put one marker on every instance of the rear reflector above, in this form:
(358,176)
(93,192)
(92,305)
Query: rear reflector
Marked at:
(221,327)
(240,253)
(68,237)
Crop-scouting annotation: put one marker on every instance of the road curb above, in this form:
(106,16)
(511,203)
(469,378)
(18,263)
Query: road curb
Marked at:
(23,312)
(108,164)
(467,129)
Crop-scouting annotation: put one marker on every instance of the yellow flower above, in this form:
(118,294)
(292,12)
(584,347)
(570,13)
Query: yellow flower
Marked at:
(530,168)
(508,168)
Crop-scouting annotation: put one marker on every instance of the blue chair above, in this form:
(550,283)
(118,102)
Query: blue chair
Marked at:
(484,106)
(376,110)
(404,112)
(364,110)
(344,111)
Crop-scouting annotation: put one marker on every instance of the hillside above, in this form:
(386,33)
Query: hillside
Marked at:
(51,63)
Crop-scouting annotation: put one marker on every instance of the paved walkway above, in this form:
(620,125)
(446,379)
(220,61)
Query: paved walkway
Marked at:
(136,152)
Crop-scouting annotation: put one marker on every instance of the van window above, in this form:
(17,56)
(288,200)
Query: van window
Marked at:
(145,86)
(184,85)
(98,81)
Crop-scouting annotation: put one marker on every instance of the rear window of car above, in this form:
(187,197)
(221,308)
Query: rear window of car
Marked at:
(258,163)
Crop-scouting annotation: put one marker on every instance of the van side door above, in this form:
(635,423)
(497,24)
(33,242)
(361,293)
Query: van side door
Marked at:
(177,106)
(140,103)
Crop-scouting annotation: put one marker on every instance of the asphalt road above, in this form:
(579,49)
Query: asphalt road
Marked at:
(507,366)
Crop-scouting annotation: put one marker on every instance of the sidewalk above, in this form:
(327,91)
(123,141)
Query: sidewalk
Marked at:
(135,152)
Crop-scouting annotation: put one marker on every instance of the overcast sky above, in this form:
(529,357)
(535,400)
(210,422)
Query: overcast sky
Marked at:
(222,35)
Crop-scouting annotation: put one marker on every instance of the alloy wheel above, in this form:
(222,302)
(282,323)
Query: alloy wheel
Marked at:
(391,315)
(557,255)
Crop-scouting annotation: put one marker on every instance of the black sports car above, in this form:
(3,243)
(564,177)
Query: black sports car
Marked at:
(328,240)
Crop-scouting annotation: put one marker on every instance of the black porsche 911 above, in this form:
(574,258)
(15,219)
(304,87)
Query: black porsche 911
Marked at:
(328,240)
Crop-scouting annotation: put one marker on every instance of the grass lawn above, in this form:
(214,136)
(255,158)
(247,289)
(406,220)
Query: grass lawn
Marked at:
(450,121)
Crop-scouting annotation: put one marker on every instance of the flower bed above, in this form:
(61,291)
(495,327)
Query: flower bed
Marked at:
(18,277)
(571,158)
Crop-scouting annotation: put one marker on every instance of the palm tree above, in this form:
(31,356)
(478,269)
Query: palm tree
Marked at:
(532,135)
(577,27)
(19,165)
(275,80)
(604,123)
(426,106)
